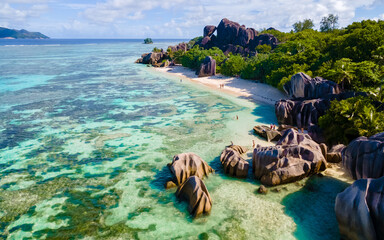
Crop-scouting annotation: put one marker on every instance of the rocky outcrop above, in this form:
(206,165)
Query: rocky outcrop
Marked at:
(364,157)
(227,31)
(207,67)
(311,99)
(264,39)
(194,192)
(185,165)
(181,46)
(294,157)
(154,58)
(209,30)
(334,154)
(303,86)
(359,210)
(235,38)
(233,164)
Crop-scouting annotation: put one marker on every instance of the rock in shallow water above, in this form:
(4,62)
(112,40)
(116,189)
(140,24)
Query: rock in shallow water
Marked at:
(294,157)
(193,191)
(233,164)
(185,165)
(364,157)
(360,210)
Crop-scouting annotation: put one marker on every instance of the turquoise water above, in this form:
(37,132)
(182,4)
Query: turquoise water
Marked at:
(86,135)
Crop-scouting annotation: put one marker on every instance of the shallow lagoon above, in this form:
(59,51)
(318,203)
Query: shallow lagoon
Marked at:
(86,136)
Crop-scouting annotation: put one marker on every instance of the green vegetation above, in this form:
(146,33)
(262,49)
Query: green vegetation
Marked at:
(148,41)
(353,57)
(195,56)
(351,118)
(155,49)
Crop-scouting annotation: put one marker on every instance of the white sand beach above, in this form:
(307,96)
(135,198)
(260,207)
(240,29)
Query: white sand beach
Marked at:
(258,92)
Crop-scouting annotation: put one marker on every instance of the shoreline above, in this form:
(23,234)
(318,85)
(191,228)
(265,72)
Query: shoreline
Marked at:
(235,86)
(249,90)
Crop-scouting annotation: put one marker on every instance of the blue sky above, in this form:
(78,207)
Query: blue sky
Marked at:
(172,18)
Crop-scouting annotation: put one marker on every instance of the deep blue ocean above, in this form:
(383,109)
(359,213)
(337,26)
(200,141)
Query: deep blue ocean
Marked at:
(85,137)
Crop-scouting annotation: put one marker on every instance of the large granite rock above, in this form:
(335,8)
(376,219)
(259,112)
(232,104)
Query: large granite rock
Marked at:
(294,157)
(233,164)
(364,157)
(153,57)
(300,113)
(360,210)
(245,35)
(196,194)
(207,67)
(185,165)
(209,30)
(303,86)
(227,31)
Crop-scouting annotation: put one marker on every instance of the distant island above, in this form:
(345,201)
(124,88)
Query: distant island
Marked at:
(24,34)
(148,41)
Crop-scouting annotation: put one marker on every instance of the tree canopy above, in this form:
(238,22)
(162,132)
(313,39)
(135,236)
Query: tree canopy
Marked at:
(329,23)
(303,25)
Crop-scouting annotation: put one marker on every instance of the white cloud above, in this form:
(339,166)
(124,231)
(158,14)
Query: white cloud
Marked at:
(10,16)
(175,18)
(115,10)
(280,14)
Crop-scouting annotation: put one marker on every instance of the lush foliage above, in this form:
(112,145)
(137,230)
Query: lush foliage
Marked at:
(351,118)
(195,56)
(155,49)
(233,65)
(303,25)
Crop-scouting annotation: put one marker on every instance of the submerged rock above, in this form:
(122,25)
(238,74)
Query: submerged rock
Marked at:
(360,210)
(233,164)
(196,194)
(364,157)
(207,67)
(185,165)
(262,189)
(294,157)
